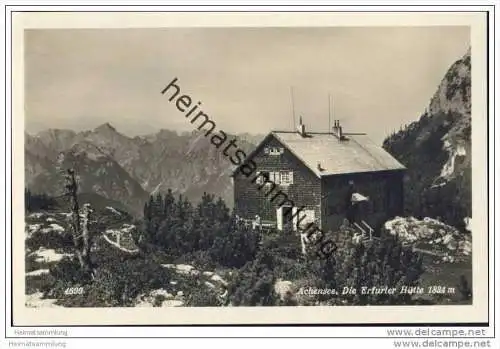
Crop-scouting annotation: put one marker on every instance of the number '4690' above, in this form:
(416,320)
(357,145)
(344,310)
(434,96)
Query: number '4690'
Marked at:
(73,290)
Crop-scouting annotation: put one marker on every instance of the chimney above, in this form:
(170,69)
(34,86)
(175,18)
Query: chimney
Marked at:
(301,128)
(320,169)
(337,129)
(334,129)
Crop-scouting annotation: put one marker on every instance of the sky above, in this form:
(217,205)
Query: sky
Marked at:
(379,77)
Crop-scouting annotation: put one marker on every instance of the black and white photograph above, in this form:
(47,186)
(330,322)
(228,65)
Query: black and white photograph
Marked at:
(259,166)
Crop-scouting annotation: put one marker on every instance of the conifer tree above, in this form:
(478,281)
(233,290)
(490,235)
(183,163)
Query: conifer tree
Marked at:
(168,204)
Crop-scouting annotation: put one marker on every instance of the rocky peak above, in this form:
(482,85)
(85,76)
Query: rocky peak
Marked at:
(453,93)
(436,149)
(106,127)
(57,139)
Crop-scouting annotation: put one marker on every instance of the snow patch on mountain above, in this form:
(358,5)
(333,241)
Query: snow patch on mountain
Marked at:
(44,255)
(458,150)
(38,272)
(157,188)
(122,238)
(113,210)
(36,300)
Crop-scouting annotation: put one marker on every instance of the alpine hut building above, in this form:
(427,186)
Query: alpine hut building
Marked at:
(324,178)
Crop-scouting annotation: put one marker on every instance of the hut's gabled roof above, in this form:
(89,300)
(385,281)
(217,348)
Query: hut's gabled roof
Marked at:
(326,155)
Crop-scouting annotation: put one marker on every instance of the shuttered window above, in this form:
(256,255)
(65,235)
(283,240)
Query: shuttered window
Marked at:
(275,177)
(286,177)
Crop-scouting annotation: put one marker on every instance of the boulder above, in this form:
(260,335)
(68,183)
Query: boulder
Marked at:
(209,284)
(447,239)
(172,303)
(283,288)
(452,245)
(161,292)
(185,269)
(219,279)
(438,235)
(57,228)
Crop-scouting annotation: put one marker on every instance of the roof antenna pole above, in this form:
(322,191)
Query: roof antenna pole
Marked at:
(293,107)
(329,114)
(333,108)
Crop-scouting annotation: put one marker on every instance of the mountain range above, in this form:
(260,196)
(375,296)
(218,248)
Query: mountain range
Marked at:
(129,169)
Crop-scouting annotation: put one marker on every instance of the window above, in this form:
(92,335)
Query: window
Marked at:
(275,177)
(286,177)
(262,176)
(274,150)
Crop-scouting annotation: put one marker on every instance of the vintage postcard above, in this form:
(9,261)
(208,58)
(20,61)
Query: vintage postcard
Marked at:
(249,168)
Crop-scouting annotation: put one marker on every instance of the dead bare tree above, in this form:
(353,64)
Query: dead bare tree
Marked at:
(79,224)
